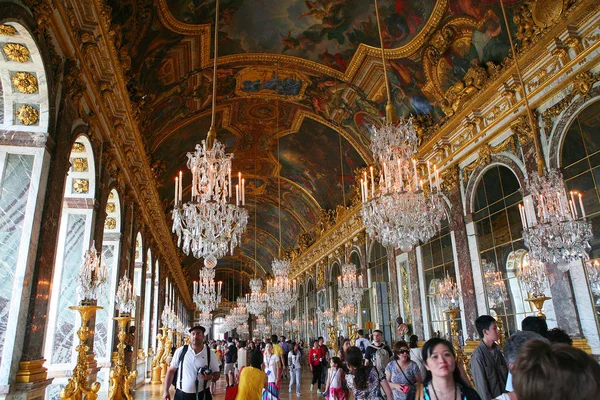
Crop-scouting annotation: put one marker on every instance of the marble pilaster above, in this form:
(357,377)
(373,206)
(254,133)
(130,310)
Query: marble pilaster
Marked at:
(394,289)
(415,299)
(563,301)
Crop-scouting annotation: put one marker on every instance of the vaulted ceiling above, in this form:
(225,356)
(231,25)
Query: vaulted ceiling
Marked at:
(305,73)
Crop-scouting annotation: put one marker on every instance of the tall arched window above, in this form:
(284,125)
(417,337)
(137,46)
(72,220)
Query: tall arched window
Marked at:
(333,286)
(155,315)
(301,313)
(438,263)
(147,306)
(500,241)
(580,162)
(311,295)
(379,278)
(73,241)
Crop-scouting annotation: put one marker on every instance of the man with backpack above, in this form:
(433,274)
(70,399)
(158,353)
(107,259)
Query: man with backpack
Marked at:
(378,353)
(362,342)
(192,368)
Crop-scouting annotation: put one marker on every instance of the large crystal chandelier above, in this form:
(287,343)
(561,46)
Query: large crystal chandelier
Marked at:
(448,294)
(240,311)
(205,319)
(347,315)
(560,234)
(495,286)
(229,324)
(209,226)
(398,210)
(257,301)
(281,291)
(91,276)
(207,295)
(532,274)
(261,323)
(350,285)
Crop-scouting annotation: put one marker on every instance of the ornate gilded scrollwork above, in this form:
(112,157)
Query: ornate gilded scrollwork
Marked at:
(320,275)
(473,81)
(521,127)
(24,82)
(527,28)
(450,178)
(583,82)
(80,164)
(27,115)
(484,156)
(81,186)
(16,52)
(110,223)
(7,30)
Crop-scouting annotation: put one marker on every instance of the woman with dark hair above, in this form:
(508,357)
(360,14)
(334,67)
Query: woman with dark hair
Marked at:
(252,379)
(442,379)
(415,353)
(402,373)
(342,351)
(315,355)
(365,382)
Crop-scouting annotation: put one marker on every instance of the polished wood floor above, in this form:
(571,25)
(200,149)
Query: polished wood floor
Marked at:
(154,392)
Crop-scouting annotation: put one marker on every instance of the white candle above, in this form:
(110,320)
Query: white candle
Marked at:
(429,175)
(415,169)
(176,188)
(362,190)
(243,192)
(366,192)
(230,181)
(437,178)
(237,195)
(581,205)
(360,281)
(372,182)
(573,200)
(180,186)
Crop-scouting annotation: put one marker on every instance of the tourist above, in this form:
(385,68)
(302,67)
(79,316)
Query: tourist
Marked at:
(315,359)
(272,365)
(415,353)
(488,367)
(362,342)
(335,377)
(364,381)
(442,380)
(295,366)
(372,353)
(401,373)
(557,335)
(555,372)
(230,360)
(252,379)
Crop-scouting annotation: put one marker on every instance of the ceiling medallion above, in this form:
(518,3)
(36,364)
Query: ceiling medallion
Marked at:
(25,82)
(16,52)
(27,115)
(7,30)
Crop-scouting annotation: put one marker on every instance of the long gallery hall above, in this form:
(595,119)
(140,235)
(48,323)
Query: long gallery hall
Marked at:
(200,190)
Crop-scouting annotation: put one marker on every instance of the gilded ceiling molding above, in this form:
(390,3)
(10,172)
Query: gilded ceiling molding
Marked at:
(484,155)
(7,30)
(103,69)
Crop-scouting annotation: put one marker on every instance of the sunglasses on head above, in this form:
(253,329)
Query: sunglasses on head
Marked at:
(404,352)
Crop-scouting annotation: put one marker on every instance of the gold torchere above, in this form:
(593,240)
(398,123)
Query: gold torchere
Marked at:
(538,303)
(461,358)
(78,385)
(501,333)
(166,352)
(332,339)
(156,368)
(352,332)
(121,380)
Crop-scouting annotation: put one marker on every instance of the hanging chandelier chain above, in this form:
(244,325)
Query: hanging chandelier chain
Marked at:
(389,108)
(214,88)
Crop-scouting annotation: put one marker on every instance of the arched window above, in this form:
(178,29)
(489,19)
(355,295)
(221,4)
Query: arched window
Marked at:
(155,316)
(311,295)
(73,241)
(301,313)
(500,241)
(333,286)
(217,328)
(438,263)
(147,306)
(580,162)
(379,282)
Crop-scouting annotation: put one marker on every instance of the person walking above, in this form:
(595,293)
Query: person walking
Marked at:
(295,366)
(272,365)
(315,358)
(195,366)
(365,381)
(252,379)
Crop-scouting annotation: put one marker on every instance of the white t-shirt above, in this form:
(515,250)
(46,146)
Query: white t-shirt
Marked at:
(335,378)
(191,365)
(270,364)
(242,360)
(365,343)
(294,360)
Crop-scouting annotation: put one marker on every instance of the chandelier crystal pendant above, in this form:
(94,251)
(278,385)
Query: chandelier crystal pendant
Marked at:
(257,302)
(448,294)
(561,233)
(261,323)
(350,285)
(240,311)
(207,294)
(398,210)
(125,297)
(209,226)
(91,276)
(205,319)
(281,291)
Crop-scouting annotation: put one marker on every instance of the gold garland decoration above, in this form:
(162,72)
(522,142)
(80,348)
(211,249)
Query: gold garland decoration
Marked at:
(24,82)
(16,52)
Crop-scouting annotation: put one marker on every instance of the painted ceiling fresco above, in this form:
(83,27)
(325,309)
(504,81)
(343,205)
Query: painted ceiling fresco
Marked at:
(306,72)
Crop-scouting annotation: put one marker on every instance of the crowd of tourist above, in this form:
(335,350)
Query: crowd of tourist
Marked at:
(535,363)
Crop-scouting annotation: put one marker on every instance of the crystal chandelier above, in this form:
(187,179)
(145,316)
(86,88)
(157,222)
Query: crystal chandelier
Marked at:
(261,323)
(276,319)
(448,294)
(281,291)
(206,296)
(242,329)
(230,323)
(396,210)
(533,276)
(257,301)
(593,270)
(209,226)
(125,298)
(91,276)
(561,233)
(350,285)
(240,311)
(495,287)
(205,319)
(347,315)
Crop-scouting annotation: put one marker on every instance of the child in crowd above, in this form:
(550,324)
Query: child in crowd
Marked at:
(334,380)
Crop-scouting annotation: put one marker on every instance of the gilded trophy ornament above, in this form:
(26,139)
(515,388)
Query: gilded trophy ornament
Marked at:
(24,82)
(81,186)
(27,115)
(16,52)
(80,164)
(7,30)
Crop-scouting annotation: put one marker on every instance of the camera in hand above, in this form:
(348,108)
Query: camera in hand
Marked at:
(206,370)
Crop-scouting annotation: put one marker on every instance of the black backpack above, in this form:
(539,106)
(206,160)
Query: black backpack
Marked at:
(174,382)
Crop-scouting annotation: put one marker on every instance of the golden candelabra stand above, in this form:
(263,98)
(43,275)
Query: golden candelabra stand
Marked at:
(78,385)
(352,333)
(156,368)
(538,303)
(332,339)
(461,357)
(167,342)
(500,324)
(121,380)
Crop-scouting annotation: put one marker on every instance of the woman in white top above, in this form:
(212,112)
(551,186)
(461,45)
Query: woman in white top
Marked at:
(334,380)
(295,363)
(271,365)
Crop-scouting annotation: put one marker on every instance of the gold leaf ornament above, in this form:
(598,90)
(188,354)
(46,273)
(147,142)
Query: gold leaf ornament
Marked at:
(81,185)
(27,115)
(16,52)
(24,82)
(80,164)
(7,30)
(110,223)
(110,207)
(78,147)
